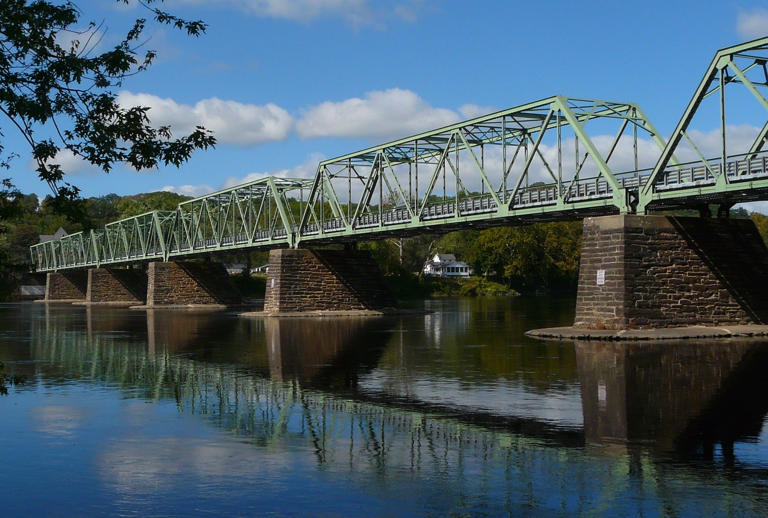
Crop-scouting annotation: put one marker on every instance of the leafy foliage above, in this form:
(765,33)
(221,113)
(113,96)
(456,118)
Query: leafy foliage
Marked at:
(7,379)
(542,256)
(61,96)
(140,203)
(24,218)
(761,222)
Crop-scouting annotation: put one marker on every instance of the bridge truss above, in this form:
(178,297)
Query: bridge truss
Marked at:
(736,174)
(530,163)
(552,159)
(262,213)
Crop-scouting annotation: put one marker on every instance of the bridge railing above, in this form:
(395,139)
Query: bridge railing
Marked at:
(594,188)
(739,168)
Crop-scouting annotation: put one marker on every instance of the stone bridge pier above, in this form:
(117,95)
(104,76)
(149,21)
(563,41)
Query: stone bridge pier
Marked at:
(302,280)
(162,284)
(190,284)
(120,286)
(67,286)
(664,271)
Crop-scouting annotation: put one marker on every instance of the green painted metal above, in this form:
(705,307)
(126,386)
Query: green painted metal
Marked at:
(507,167)
(261,214)
(460,175)
(733,177)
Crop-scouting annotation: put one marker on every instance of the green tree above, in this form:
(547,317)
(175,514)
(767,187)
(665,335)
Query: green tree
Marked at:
(385,253)
(101,210)
(141,203)
(62,96)
(528,258)
(17,241)
(761,222)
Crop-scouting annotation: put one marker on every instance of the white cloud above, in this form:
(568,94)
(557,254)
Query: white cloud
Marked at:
(738,139)
(69,162)
(752,24)
(306,169)
(189,190)
(356,12)
(471,111)
(232,122)
(380,114)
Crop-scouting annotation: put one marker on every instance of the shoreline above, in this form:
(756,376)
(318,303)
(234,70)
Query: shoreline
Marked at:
(669,333)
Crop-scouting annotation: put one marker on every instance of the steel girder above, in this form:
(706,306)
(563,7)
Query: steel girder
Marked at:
(736,174)
(260,214)
(73,250)
(507,166)
(141,237)
(131,239)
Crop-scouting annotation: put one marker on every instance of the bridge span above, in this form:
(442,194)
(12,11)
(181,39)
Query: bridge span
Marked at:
(559,158)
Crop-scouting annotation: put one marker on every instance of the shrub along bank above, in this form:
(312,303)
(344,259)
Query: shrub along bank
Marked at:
(410,286)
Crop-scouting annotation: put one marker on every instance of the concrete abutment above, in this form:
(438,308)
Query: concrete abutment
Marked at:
(302,280)
(664,271)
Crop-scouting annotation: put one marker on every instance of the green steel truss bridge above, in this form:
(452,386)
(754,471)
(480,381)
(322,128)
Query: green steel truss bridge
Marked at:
(554,159)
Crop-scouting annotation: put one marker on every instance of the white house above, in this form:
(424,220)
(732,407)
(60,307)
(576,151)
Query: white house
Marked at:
(237,268)
(446,265)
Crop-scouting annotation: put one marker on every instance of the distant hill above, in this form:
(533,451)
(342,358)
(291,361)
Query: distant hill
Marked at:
(135,204)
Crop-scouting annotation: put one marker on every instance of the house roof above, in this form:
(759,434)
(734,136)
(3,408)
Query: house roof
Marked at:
(444,258)
(50,237)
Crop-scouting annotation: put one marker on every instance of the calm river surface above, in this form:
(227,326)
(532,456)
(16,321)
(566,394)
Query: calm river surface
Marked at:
(449,413)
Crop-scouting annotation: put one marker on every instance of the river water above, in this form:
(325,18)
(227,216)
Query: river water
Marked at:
(453,412)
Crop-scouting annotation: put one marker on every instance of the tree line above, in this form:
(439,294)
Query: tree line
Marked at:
(24,217)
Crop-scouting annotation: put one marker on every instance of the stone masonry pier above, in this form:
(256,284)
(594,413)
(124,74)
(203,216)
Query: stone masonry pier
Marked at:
(325,280)
(190,284)
(663,271)
(116,286)
(66,286)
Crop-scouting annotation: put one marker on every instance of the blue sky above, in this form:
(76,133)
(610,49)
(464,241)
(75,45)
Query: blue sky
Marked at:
(286,83)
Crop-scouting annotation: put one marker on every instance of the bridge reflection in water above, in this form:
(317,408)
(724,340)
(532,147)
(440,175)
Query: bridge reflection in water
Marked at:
(305,385)
(677,396)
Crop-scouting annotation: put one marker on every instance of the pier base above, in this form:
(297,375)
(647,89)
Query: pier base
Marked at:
(663,271)
(65,286)
(325,280)
(116,286)
(190,284)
